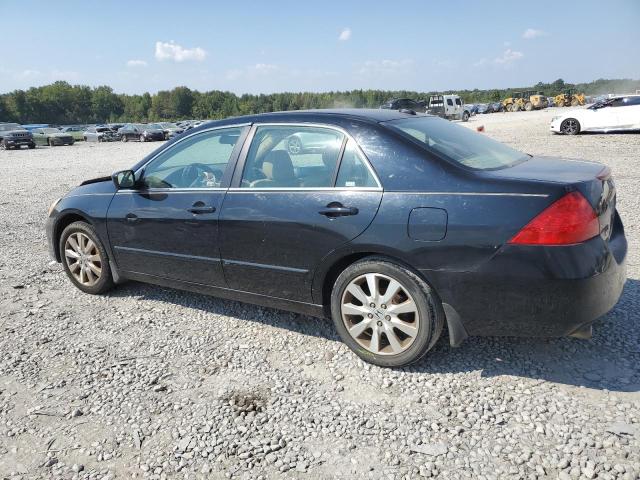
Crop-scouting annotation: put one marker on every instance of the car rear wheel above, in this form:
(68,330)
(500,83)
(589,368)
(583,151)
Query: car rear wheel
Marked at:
(4,146)
(465,116)
(125,138)
(84,259)
(142,138)
(528,106)
(570,126)
(386,313)
(52,143)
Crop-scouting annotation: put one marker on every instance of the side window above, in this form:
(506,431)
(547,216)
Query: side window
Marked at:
(458,102)
(353,169)
(292,157)
(449,102)
(196,162)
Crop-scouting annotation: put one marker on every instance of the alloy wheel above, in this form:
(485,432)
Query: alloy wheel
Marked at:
(570,126)
(83,259)
(380,314)
(294,145)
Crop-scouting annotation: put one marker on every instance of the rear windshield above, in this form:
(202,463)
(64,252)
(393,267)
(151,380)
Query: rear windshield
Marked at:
(458,144)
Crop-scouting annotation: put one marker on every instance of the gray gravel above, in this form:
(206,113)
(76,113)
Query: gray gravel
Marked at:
(156,383)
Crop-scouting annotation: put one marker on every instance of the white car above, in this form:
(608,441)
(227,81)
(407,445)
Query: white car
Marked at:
(621,112)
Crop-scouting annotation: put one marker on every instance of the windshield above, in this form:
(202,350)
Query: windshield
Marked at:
(155,126)
(458,144)
(50,130)
(10,126)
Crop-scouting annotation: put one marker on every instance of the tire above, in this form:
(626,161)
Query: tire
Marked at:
(426,312)
(465,116)
(32,146)
(104,281)
(509,107)
(528,106)
(51,142)
(575,103)
(124,138)
(4,146)
(570,126)
(99,140)
(85,138)
(142,139)
(294,145)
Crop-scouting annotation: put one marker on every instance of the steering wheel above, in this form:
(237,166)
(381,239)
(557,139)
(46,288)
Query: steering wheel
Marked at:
(198,175)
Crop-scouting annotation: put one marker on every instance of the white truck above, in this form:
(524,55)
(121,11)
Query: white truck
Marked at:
(450,107)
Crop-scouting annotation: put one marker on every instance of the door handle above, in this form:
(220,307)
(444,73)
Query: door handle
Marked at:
(336,209)
(198,210)
(131,218)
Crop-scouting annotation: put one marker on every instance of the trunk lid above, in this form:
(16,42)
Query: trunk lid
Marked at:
(593,180)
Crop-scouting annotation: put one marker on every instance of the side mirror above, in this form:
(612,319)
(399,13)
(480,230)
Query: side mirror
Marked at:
(124,179)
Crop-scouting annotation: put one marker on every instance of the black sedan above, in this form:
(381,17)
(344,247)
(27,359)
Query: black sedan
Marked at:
(141,132)
(400,225)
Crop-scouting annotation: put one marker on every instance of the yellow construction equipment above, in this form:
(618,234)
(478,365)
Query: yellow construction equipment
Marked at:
(509,102)
(569,99)
(528,101)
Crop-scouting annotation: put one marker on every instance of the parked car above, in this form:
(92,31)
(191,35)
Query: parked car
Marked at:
(483,108)
(497,107)
(100,134)
(76,131)
(13,135)
(52,137)
(170,129)
(450,107)
(614,114)
(382,234)
(405,104)
(140,132)
(473,108)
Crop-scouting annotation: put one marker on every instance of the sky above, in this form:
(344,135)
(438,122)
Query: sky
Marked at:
(275,46)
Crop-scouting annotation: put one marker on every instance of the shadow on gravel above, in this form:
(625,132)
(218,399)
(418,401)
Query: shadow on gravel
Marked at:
(611,360)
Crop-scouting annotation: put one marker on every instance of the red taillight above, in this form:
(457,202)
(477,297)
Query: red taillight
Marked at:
(568,220)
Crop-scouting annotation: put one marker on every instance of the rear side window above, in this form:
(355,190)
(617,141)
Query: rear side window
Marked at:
(457,144)
(353,169)
(449,102)
(292,157)
(458,102)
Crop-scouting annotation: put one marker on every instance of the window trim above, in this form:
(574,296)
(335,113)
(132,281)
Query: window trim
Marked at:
(228,174)
(240,164)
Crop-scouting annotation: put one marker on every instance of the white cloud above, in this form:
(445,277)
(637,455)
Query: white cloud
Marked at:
(508,56)
(345,34)
(173,51)
(136,63)
(531,33)
(373,67)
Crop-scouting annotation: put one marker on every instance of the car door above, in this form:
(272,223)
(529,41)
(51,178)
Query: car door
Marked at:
(628,112)
(286,211)
(168,226)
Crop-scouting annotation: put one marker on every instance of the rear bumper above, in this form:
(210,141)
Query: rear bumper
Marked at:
(534,291)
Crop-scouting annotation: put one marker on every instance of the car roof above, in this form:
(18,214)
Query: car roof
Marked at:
(371,115)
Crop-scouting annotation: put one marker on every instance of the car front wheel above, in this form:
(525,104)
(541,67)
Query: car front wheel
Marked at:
(386,313)
(570,126)
(84,259)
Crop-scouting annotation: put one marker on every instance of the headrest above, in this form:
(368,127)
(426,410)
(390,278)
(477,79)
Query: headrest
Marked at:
(277,166)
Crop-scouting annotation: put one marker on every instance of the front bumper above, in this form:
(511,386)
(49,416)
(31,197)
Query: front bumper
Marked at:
(534,291)
(555,125)
(18,142)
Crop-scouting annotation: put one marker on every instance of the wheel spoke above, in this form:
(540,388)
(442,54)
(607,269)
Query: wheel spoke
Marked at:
(374,344)
(372,283)
(71,253)
(83,277)
(357,292)
(407,306)
(74,267)
(391,291)
(359,328)
(405,327)
(74,244)
(94,258)
(351,309)
(394,342)
(95,269)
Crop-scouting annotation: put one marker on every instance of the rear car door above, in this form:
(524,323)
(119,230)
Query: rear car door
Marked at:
(168,226)
(628,112)
(287,210)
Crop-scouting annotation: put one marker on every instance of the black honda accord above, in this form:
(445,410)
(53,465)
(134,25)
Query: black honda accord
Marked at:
(393,225)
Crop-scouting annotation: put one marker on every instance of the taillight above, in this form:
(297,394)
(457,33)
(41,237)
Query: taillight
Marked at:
(570,219)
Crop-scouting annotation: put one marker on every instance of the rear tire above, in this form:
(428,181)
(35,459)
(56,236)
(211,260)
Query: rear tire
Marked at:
(94,253)
(570,126)
(528,106)
(465,116)
(4,146)
(51,142)
(125,139)
(142,139)
(413,331)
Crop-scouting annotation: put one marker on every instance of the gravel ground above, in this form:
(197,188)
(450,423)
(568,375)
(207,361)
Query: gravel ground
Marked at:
(156,383)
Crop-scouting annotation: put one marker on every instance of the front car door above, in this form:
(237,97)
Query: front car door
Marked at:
(628,112)
(168,226)
(287,210)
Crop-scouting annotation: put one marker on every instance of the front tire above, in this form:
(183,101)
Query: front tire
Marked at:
(85,259)
(385,313)
(570,126)
(142,139)
(52,143)
(465,117)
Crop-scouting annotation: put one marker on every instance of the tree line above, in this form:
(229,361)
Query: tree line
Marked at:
(63,104)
